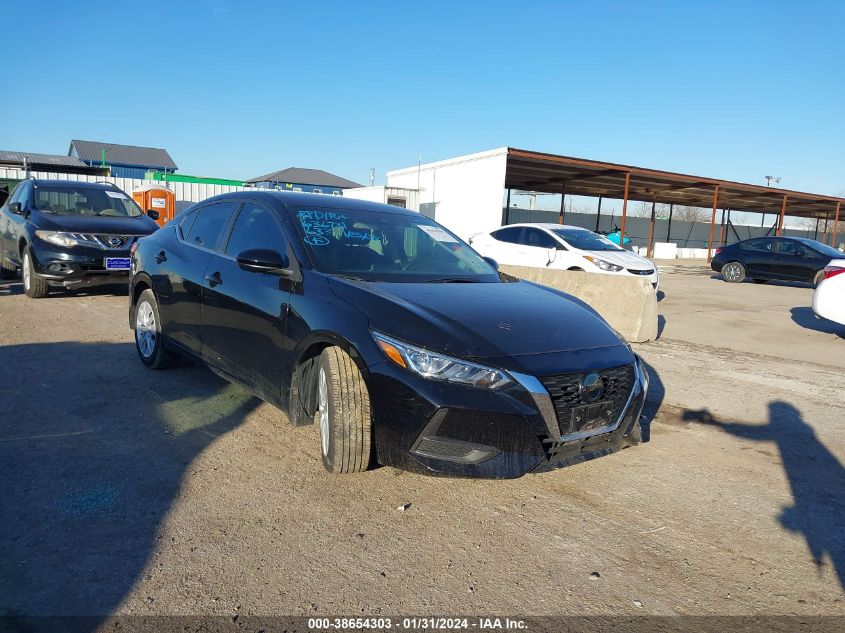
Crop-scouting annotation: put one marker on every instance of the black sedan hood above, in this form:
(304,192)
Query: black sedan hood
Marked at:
(97,224)
(479,320)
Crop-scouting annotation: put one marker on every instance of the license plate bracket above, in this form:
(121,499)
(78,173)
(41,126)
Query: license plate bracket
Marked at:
(117,263)
(588,417)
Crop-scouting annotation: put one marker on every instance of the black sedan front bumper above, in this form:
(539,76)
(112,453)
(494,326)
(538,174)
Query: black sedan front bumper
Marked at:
(440,428)
(78,266)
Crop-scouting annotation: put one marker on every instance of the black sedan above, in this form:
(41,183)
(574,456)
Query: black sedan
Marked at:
(69,234)
(399,341)
(765,258)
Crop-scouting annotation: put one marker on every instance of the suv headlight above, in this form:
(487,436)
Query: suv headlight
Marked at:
(436,366)
(55,237)
(604,265)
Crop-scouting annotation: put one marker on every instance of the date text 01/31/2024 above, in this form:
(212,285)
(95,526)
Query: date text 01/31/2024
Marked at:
(416,624)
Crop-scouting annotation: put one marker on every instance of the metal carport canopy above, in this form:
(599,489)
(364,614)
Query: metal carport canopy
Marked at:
(550,173)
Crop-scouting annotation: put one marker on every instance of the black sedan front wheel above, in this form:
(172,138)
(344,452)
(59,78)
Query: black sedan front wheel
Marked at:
(733,272)
(343,413)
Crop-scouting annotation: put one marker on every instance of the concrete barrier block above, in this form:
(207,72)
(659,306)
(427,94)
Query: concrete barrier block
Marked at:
(665,250)
(628,304)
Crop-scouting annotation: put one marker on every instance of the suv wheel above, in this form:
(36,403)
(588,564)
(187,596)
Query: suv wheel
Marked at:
(34,286)
(343,413)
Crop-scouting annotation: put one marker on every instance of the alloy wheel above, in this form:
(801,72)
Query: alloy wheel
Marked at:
(323,393)
(145,329)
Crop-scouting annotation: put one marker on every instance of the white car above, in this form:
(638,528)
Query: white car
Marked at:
(561,247)
(829,295)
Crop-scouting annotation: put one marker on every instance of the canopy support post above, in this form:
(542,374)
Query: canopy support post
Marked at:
(598,215)
(562,202)
(624,209)
(669,228)
(650,250)
(782,215)
(712,223)
(506,216)
(835,225)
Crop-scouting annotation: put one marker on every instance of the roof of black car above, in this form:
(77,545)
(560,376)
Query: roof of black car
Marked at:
(64,183)
(312,200)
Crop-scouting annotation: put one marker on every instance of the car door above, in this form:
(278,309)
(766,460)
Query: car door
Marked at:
(537,248)
(180,308)
(12,225)
(244,312)
(791,263)
(759,257)
(505,245)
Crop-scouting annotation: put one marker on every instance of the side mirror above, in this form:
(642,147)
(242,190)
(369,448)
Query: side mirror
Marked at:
(15,207)
(153,214)
(262,260)
(492,262)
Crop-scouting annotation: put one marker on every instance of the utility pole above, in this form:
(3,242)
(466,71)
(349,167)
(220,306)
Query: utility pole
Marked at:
(372,176)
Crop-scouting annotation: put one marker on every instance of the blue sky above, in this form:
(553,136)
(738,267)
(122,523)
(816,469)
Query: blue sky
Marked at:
(737,90)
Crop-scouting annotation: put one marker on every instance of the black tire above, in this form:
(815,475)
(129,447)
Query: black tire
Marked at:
(818,278)
(733,272)
(148,339)
(34,286)
(7,272)
(343,413)
(759,281)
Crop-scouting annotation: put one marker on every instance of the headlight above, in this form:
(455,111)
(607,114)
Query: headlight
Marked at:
(613,268)
(60,239)
(436,366)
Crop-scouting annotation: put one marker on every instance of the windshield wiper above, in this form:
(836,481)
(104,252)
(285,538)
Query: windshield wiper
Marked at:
(453,280)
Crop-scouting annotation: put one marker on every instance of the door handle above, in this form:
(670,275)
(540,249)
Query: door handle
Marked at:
(161,257)
(214,280)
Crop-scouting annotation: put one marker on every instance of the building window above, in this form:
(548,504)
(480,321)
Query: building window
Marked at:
(316,190)
(297,188)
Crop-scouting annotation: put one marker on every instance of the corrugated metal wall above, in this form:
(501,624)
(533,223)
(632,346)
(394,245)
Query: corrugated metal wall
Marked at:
(187,193)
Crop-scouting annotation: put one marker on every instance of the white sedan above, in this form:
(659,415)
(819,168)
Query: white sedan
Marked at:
(561,247)
(829,295)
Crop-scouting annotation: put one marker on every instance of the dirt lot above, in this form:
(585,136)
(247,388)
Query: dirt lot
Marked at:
(130,491)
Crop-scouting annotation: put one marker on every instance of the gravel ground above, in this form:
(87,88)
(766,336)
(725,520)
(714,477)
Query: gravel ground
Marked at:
(136,492)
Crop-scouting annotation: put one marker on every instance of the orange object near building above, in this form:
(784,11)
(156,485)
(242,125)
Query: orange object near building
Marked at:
(156,198)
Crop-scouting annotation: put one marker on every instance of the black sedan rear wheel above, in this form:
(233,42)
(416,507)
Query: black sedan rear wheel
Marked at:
(148,341)
(343,413)
(733,272)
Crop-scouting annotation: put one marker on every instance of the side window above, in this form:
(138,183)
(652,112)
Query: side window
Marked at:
(510,234)
(785,247)
(255,227)
(20,193)
(185,222)
(537,238)
(760,244)
(210,223)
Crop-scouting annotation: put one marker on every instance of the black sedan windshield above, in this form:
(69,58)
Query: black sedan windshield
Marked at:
(586,240)
(383,246)
(81,200)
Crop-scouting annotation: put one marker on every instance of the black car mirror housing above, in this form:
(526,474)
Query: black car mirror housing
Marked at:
(263,260)
(152,213)
(492,262)
(15,207)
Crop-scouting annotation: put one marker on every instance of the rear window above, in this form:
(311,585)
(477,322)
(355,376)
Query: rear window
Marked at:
(79,199)
(210,223)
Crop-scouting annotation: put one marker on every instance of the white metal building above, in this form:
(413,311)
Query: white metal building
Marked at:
(398,197)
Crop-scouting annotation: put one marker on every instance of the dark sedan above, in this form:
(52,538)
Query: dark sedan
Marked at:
(763,258)
(401,343)
(69,234)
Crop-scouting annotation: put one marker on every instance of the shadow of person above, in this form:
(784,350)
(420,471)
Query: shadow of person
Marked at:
(806,318)
(93,451)
(816,479)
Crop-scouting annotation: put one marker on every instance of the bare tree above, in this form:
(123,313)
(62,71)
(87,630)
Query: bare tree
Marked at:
(686,213)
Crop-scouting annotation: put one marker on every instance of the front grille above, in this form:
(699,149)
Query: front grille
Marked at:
(106,241)
(564,390)
(650,271)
